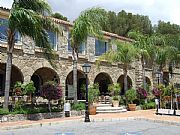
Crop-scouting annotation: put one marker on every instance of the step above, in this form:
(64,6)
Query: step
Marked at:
(109,108)
(104,102)
(103,105)
(111,111)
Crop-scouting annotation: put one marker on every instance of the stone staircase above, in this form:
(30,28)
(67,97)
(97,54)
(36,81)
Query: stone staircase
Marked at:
(105,106)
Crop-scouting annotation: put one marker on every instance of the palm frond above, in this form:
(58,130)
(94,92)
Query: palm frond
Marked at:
(31,22)
(126,53)
(39,6)
(87,24)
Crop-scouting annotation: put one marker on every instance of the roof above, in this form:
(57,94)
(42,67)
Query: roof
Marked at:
(71,25)
(5,9)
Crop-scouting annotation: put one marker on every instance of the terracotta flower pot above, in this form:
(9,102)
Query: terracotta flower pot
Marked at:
(132,107)
(92,110)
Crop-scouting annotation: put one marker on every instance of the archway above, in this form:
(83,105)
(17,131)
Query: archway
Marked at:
(103,79)
(16,75)
(121,82)
(81,81)
(148,81)
(43,75)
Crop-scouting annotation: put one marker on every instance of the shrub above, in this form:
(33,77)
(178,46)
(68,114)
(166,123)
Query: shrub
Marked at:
(114,89)
(78,106)
(93,93)
(156,92)
(142,93)
(29,88)
(131,95)
(150,105)
(18,90)
(51,91)
(4,111)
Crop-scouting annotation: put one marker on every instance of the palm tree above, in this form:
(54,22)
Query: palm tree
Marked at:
(141,43)
(28,18)
(87,24)
(125,54)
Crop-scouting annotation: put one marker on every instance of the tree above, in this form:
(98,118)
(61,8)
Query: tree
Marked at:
(28,18)
(125,54)
(87,24)
(59,16)
(112,19)
(144,49)
(51,91)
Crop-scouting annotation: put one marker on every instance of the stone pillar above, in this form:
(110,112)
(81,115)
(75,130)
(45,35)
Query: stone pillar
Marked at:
(27,73)
(91,49)
(62,45)
(28,45)
(138,73)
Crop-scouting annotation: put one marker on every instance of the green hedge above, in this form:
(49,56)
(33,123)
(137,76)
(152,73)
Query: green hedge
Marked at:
(29,110)
(78,106)
(150,105)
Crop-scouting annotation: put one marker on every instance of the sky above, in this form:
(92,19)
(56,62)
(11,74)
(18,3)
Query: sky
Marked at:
(166,10)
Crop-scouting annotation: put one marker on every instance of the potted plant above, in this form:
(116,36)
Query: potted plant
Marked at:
(131,95)
(18,90)
(29,89)
(115,92)
(93,96)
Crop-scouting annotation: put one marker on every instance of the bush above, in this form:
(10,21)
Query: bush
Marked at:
(19,109)
(51,91)
(4,111)
(78,106)
(142,93)
(156,92)
(29,88)
(150,105)
(131,95)
(18,90)
(114,89)
(93,93)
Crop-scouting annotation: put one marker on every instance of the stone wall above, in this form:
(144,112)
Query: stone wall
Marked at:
(38,116)
(28,59)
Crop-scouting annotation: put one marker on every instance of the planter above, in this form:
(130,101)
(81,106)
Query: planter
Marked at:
(115,103)
(92,110)
(167,98)
(132,107)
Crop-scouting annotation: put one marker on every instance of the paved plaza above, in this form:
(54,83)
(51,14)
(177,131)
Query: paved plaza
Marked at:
(143,122)
(140,127)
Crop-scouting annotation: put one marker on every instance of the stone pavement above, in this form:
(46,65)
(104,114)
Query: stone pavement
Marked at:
(148,115)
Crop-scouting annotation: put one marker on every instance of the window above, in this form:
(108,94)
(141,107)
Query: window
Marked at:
(3,31)
(82,47)
(52,39)
(100,47)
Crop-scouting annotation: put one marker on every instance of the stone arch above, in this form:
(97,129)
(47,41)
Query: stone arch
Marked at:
(148,81)
(81,81)
(16,75)
(121,82)
(43,75)
(103,79)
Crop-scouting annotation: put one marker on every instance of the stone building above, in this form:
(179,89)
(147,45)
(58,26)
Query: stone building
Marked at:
(30,64)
